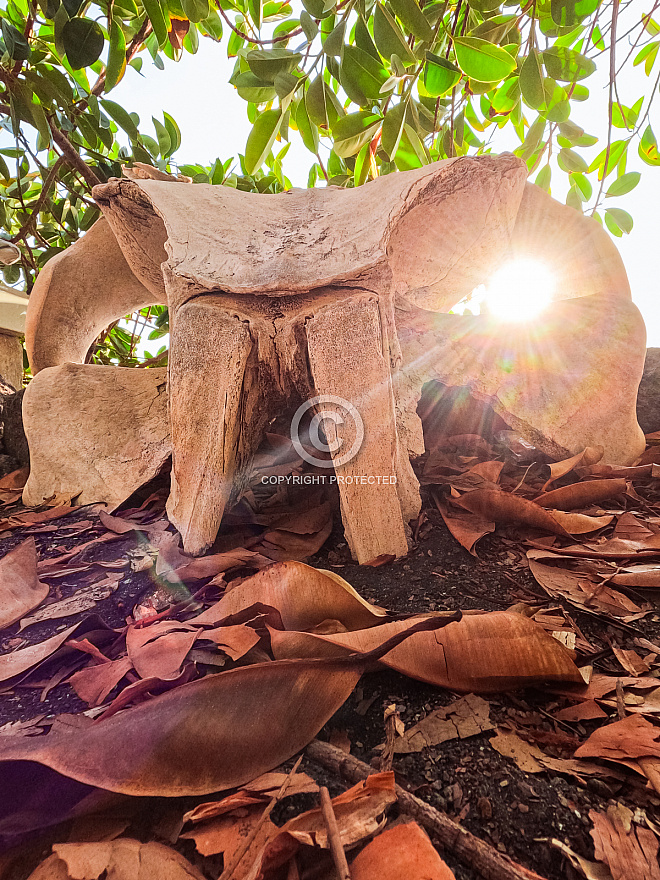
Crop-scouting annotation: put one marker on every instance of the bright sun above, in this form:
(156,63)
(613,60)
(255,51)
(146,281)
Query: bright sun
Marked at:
(519,291)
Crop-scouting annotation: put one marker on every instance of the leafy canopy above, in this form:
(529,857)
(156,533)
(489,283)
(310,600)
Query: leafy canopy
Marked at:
(370,87)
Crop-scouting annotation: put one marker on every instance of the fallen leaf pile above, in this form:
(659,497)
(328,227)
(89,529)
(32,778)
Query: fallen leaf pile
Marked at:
(227,666)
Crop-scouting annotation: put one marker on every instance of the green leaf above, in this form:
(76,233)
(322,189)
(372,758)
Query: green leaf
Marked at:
(121,117)
(543,178)
(196,10)
(252,89)
(308,131)
(164,142)
(567,64)
(648,147)
(309,26)
(83,42)
(319,8)
(15,43)
(285,84)
(531,80)
(361,76)
(624,184)
(616,152)
(315,98)
(618,221)
(440,76)
(393,129)
(482,61)
(156,16)
(256,11)
(265,64)
(557,107)
(173,131)
(334,42)
(571,161)
(390,39)
(212,26)
(583,185)
(261,139)
(352,132)
(413,18)
(116,64)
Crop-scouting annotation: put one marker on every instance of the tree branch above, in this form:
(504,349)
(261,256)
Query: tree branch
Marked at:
(72,156)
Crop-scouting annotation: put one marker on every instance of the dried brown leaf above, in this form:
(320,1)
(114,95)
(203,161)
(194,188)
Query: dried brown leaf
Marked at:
(581,494)
(402,851)
(590,456)
(20,589)
(212,734)
(121,859)
(94,683)
(482,653)
(499,506)
(83,599)
(304,597)
(158,650)
(466,527)
(463,718)
(627,853)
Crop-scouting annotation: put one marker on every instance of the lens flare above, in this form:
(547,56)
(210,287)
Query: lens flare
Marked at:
(519,291)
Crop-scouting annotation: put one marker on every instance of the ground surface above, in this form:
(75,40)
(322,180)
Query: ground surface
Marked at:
(513,810)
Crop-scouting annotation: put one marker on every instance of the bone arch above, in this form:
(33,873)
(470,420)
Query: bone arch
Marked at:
(269,277)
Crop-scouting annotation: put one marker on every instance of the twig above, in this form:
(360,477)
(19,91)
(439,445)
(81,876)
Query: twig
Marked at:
(334,837)
(610,102)
(229,871)
(72,156)
(482,858)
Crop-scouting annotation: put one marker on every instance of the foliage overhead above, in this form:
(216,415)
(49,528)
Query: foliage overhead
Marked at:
(371,88)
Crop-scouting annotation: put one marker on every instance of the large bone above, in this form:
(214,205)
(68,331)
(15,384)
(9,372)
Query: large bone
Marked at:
(280,298)
(77,294)
(95,433)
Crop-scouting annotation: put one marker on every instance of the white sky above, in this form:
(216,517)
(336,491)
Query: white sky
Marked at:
(214,124)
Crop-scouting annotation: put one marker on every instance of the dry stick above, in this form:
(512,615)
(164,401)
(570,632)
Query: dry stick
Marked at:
(228,872)
(334,837)
(482,858)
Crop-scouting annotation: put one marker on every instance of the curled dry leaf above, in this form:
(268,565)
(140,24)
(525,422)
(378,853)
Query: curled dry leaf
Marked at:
(499,506)
(627,852)
(582,588)
(482,653)
(257,791)
(590,456)
(15,479)
(304,597)
(532,759)
(580,523)
(402,851)
(94,683)
(122,859)
(235,641)
(17,662)
(228,834)
(211,734)
(82,600)
(359,813)
(581,494)
(20,590)
(118,525)
(158,650)
(466,527)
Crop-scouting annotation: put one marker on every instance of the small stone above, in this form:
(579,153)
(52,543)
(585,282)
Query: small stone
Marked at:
(485,808)
(523,808)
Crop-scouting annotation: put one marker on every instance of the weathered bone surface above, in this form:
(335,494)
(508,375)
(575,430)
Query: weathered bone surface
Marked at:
(277,299)
(95,432)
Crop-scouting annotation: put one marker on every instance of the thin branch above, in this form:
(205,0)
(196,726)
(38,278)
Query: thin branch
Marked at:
(610,101)
(255,40)
(72,156)
(28,227)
